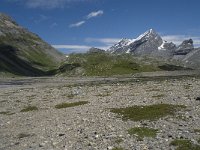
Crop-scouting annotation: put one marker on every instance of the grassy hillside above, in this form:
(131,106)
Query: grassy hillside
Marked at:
(23,52)
(12,64)
(105,64)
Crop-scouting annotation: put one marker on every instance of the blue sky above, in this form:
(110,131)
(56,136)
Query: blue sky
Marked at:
(76,25)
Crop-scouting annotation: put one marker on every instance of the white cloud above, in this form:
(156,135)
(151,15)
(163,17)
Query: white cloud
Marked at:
(91,15)
(77,48)
(106,41)
(103,47)
(78,24)
(41,18)
(50,4)
(95,14)
(53,25)
(178,39)
(44,4)
(73,47)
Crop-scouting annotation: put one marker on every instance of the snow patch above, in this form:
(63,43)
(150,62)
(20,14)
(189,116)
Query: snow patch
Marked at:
(162,46)
(131,41)
(128,51)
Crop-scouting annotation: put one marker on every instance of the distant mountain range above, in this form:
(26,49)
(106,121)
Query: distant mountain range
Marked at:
(26,54)
(23,52)
(151,44)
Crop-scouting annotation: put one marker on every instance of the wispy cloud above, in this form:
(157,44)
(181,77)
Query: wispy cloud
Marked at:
(41,18)
(44,4)
(90,15)
(95,14)
(53,25)
(77,48)
(72,48)
(178,39)
(105,41)
(78,24)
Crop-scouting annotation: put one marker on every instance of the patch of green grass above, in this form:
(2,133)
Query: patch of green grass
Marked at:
(29,108)
(66,105)
(23,135)
(30,97)
(197,130)
(153,90)
(184,145)
(117,148)
(104,94)
(151,112)
(198,140)
(158,96)
(70,96)
(141,132)
(106,64)
(6,113)
(118,140)
(188,86)
(181,117)
(169,67)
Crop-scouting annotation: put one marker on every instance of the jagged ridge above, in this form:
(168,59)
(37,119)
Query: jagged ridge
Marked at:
(151,44)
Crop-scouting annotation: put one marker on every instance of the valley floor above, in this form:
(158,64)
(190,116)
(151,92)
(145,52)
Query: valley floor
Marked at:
(30,117)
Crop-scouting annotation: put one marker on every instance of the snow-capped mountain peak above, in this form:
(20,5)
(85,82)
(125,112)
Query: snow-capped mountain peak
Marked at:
(146,34)
(149,40)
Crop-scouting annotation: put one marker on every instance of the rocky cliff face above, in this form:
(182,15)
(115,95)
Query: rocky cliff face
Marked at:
(184,48)
(192,59)
(28,47)
(95,50)
(146,43)
(121,46)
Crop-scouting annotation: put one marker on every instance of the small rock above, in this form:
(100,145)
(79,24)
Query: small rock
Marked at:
(42,145)
(198,99)
(17,143)
(169,136)
(61,134)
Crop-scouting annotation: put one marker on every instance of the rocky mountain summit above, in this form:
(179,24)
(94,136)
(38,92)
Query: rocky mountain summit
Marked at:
(185,47)
(151,44)
(145,43)
(23,52)
(95,50)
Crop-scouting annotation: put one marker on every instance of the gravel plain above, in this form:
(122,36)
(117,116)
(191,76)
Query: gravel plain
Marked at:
(92,126)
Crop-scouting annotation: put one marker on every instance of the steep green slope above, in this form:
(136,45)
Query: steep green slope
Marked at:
(23,52)
(11,63)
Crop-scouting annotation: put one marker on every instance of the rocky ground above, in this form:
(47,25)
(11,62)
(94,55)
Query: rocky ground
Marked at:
(93,126)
